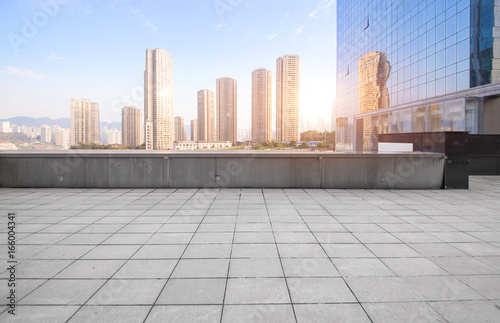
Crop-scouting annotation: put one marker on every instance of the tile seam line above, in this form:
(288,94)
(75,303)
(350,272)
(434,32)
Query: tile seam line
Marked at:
(109,278)
(322,248)
(72,262)
(230,258)
(279,255)
(187,245)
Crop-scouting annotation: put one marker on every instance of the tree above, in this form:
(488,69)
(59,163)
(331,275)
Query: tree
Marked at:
(303,145)
(293,143)
(313,135)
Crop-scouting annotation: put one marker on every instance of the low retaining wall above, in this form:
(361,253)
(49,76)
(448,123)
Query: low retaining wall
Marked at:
(240,169)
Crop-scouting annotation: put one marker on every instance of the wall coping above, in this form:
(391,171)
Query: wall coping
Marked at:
(209,154)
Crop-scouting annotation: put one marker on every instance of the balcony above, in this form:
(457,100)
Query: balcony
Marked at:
(253,255)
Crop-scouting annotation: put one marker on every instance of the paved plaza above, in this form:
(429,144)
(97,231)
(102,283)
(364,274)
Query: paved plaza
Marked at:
(254,255)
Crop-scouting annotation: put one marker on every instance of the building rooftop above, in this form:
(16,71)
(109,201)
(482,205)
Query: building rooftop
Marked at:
(259,255)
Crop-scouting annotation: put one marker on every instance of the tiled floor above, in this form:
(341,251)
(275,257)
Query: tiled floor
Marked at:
(252,255)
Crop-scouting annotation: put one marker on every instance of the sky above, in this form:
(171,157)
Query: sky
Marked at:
(55,50)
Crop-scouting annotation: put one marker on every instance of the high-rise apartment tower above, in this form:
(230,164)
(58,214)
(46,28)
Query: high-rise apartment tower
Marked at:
(262,106)
(206,116)
(132,130)
(84,122)
(287,98)
(180,134)
(226,109)
(159,100)
(194,130)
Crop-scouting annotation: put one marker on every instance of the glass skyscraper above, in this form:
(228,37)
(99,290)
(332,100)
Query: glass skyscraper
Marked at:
(416,66)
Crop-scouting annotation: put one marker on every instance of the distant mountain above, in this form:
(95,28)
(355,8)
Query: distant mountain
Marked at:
(112,125)
(62,122)
(36,122)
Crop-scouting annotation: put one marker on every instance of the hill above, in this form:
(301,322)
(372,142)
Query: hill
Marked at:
(62,122)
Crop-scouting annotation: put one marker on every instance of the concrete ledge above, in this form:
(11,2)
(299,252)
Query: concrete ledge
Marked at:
(262,169)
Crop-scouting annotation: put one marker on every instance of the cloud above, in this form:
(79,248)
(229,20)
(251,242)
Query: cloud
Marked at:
(145,21)
(22,72)
(323,5)
(284,17)
(54,57)
(272,36)
(219,26)
(298,31)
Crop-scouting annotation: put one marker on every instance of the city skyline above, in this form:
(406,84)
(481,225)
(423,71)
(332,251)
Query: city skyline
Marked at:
(44,63)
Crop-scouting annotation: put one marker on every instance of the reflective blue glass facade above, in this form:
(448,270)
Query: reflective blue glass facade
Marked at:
(423,51)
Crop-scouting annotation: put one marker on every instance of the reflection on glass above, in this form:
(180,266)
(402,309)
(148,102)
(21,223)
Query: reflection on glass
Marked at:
(434,47)
(383,124)
(471,115)
(419,119)
(393,122)
(436,117)
(373,72)
(484,45)
(341,132)
(404,121)
(454,116)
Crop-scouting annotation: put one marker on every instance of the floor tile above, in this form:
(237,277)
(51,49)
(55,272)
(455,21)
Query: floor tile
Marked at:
(63,292)
(319,290)
(468,311)
(309,267)
(207,251)
(160,252)
(464,266)
(104,314)
(258,313)
(326,313)
(441,288)
(146,268)
(201,268)
(361,267)
(257,291)
(486,285)
(255,267)
(195,314)
(193,291)
(128,292)
(301,251)
(41,268)
(40,314)
(248,250)
(347,251)
(392,250)
(88,269)
(413,267)
(381,289)
(402,312)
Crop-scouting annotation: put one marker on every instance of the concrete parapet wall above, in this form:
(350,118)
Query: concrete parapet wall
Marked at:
(241,169)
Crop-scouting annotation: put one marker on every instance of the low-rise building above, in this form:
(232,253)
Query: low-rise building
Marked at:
(207,145)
